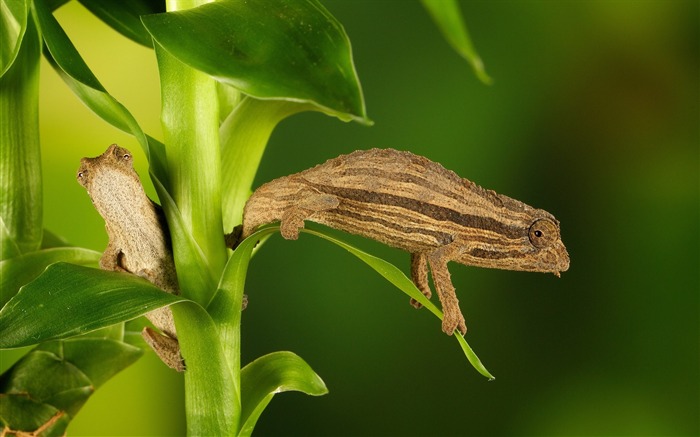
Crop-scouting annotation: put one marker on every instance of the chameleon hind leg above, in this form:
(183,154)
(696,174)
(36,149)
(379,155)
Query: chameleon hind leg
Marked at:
(419,274)
(310,203)
(453,318)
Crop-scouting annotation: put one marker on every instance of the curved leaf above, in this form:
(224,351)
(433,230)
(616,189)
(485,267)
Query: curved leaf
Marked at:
(124,16)
(63,56)
(18,412)
(68,300)
(397,277)
(225,307)
(15,272)
(289,49)
(271,374)
(244,135)
(56,379)
(448,18)
(212,397)
(13,23)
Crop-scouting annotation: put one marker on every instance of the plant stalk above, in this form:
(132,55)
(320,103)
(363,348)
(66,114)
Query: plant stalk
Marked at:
(21,205)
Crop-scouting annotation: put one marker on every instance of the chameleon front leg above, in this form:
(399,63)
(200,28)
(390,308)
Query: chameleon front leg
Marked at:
(167,348)
(310,203)
(453,318)
(419,274)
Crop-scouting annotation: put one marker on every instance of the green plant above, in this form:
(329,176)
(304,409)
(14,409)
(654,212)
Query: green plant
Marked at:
(230,72)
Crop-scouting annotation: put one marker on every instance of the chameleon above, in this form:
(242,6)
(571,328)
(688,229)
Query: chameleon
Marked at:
(411,203)
(139,242)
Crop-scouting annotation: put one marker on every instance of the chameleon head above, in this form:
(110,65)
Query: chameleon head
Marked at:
(110,177)
(531,244)
(548,253)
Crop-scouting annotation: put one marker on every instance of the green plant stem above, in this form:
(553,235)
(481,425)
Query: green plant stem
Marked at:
(20,159)
(191,127)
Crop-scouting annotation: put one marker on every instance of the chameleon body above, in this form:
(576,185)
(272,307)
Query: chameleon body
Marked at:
(139,242)
(411,203)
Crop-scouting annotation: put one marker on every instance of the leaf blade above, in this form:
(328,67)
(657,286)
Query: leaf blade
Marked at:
(124,16)
(448,18)
(399,279)
(13,24)
(290,50)
(17,271)
(68,300)
(270,374)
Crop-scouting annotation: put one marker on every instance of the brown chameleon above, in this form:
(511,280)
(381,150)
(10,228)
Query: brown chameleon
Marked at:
(411,203)
(138,238)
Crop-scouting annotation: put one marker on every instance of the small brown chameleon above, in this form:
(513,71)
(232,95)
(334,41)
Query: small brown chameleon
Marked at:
(138,238)
(411,203)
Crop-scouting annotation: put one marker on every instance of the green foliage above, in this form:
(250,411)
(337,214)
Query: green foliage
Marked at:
(49,385)
(284,50)
(20,172)
(274,373)
(449,20)
(230,72)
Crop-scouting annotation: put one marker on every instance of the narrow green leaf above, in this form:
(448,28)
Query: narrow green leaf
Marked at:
(13,23)
(212,397)
(399,279)
(448,18)
(68,300)
(20,159)
(124,16)
(225,307)
(188,254)
(271,374)
(17,271)
(65,59)
(289,49)
(69,64)
(244,135)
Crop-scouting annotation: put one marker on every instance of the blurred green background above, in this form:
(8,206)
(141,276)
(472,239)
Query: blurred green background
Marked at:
(593,116)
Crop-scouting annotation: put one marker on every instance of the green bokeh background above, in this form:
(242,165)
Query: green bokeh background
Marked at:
(593,116)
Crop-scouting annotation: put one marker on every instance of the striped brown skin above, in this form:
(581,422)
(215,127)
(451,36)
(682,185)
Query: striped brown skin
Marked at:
(409,202)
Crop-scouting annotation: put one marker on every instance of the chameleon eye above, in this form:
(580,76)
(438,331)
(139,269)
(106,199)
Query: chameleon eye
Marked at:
(542,233)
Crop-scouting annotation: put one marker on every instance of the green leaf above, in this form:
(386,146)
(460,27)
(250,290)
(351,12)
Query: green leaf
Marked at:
(68,300)
(212,399)
(19,412)
(17,271)
(448,18)
(244,135)
(50,240)
(20,160)
(225,307)
(188,254)
(65,59)
(124,16)
(271,374)
(13,23)
(58,377)
(289,49)
(396,277)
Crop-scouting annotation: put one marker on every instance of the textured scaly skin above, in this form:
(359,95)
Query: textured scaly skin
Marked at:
(411,203)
